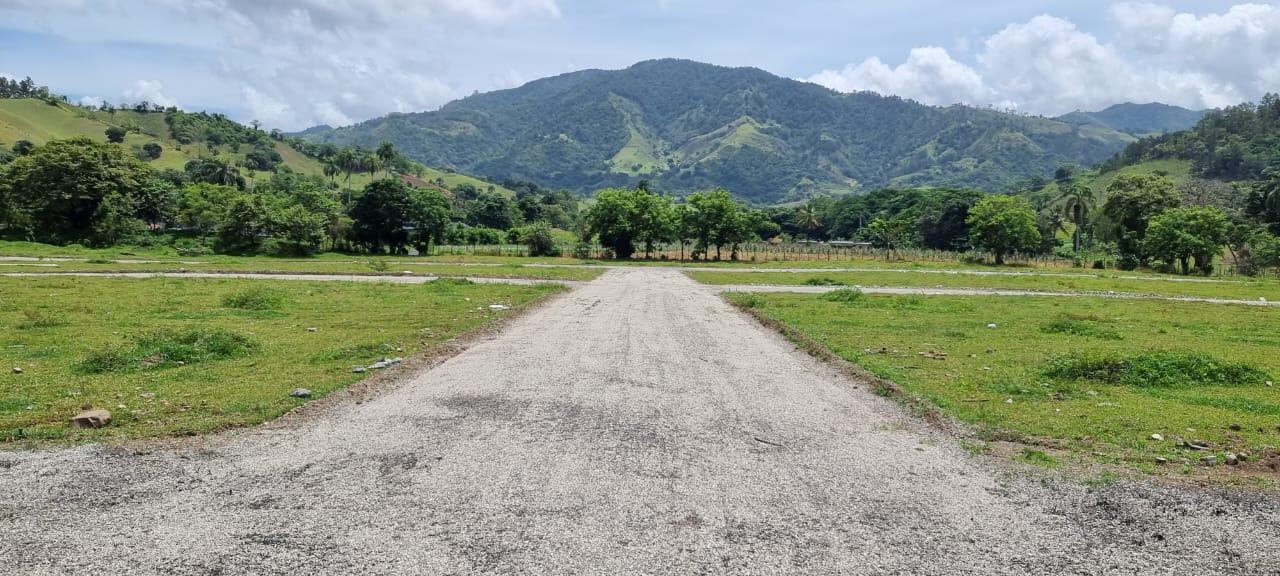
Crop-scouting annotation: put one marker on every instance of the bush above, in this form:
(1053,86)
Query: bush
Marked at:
(189,248)
(256,298)
(845,296)
(166,349)
(823,281)
(539,239)
(1163,369)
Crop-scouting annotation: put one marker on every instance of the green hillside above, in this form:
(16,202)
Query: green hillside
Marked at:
(1138,119)
(687,126)
(40,121)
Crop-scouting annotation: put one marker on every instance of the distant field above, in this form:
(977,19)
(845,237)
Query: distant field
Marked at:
(63,331)
(996,378)
(368,266)
(1238,288)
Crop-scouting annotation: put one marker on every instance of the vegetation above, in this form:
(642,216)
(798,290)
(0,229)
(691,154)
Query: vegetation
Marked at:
(1178,371)
(1003,225)
(686,126)
(129,346)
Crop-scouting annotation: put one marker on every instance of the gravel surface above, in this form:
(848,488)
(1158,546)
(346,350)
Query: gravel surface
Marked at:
(638,425)
(912,291)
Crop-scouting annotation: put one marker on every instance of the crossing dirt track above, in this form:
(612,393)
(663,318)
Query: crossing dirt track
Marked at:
(637,425)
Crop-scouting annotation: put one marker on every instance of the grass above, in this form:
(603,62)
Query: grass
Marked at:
(1180,370)
(1103,282)
(173,357)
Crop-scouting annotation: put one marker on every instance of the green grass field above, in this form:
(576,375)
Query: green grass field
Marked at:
(115,343)
(1241,288)
(941,349)
(364,267)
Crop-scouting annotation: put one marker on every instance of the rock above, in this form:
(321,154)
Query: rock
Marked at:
(358,369)
(498,307)
(1235,427)
(91,419)
(1209,461)
(993,325)
(1008,401)
(378,365)
(1161,460)
(313,329)
(1270,383)
(1233,460)
(1157,437)
(17,370)
(300,393)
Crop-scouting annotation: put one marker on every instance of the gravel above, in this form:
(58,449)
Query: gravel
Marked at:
(638,425)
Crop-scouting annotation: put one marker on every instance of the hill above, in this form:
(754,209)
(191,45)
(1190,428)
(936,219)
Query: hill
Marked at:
(183,136)
(686,126)
(1138,119)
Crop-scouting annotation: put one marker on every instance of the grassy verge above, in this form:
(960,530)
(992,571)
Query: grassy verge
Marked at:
(173,357)
(377,266)
(1238,289)
(1087,381)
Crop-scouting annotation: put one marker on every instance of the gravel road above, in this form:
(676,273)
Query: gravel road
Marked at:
(638,425)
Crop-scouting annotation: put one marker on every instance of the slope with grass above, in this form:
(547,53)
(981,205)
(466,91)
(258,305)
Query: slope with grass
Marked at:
(1082,381)
(170,357)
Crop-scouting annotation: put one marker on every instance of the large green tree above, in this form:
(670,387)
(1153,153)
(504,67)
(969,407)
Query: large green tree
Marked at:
(1132,201)
(54,191)
(1179,235)
(1003,225)
(1078,201)
(391,215)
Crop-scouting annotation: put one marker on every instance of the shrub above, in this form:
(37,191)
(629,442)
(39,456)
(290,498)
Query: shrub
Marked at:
(845,296)
(256,298)
(748,300)
(189,248)
(823,281)
(539,239)
(1163,369)
(165,349)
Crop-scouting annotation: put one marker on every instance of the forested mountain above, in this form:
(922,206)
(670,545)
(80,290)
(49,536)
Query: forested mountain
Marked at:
(686,126)
(1235,143)
(1139,119)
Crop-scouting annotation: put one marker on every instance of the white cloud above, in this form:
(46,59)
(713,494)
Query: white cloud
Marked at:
(91,101)
(149,91)
(929,75)
(1048,65)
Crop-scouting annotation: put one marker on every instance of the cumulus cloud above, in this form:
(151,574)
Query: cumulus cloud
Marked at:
(149,91)
(929,75)
(90,101)
(1048,65)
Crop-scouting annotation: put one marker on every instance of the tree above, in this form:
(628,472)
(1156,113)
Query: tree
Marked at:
(888,234)
(715,220)
(808,219)
(23,147)
(1078,200)
(492,210)
(613,218)
(386,155)
(152,151)
(1003,225)
(1132,200)
(1179,235)
(539,239)
(655,220)
(55,190)
(390,215)
(116,134)
(214,171)
(244,225)
(298,231)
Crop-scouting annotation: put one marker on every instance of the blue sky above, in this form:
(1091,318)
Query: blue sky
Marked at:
(296,63)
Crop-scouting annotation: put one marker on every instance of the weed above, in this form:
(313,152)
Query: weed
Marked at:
(844,296)
(256,298)
(823,281)
(1164,369)
(1084,328)
(165,349)
(42,318)
(378,264)
(1038,458)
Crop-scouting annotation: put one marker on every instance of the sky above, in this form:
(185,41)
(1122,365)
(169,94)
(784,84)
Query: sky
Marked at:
(292,64)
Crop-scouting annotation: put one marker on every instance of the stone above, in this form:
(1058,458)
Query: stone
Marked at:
(1157,437)
(91,419)
(300,393)
(1233,460)
(378,365)
(1209,461)
(358,369)
(1235,427)
(17,370)
(993,325)
(313,329)
(1161,460)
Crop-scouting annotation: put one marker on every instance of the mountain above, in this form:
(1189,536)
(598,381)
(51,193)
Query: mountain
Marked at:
(1138,119)
(687,126)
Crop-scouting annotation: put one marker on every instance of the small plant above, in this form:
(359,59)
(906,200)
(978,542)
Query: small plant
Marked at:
(823,281)
(1156,370)
(844,296)
(748,301)
(167,349)
(42,318)
(1038,458)
(378,264)
(99,261)
(256,299)
(1078,327)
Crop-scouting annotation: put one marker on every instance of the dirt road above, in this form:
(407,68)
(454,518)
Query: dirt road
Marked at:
(637,425)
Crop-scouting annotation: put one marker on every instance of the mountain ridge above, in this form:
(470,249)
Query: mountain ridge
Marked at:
(685,126)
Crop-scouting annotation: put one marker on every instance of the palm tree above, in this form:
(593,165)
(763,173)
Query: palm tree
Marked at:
(1270,190)
(1078,200)
(808,219)
(387,154)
